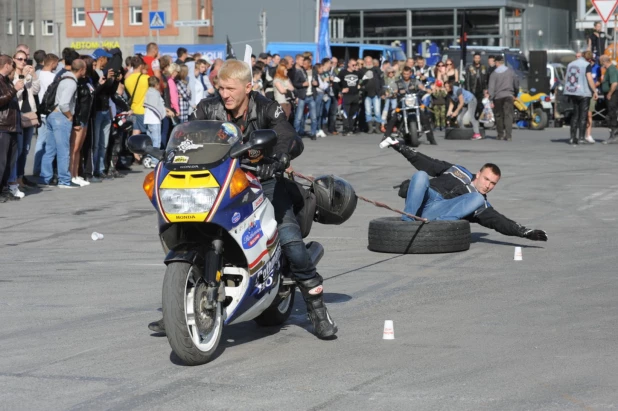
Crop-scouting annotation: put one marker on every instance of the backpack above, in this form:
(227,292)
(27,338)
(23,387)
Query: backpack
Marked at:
(48,104)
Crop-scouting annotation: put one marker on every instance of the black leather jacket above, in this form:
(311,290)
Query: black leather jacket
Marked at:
(83,103)
(9,107)
(476,79)
(450,186)
(263,113)
(403,88)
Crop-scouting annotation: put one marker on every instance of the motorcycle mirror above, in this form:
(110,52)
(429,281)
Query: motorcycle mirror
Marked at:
(139,144)
(259,140)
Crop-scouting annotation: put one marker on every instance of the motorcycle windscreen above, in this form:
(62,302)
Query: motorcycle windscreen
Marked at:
(200,144)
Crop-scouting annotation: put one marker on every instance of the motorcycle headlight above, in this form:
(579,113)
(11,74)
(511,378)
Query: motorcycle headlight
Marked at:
(188,201)
(410,101)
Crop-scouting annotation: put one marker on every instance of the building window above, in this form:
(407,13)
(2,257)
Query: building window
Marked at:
(386,24)
(31,27)
(79,16)
(9,26)
(22,28)
(109,20)
(135,15)
(47,28)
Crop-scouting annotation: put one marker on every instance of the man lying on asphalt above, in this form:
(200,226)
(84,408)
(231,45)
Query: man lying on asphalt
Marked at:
(454,193)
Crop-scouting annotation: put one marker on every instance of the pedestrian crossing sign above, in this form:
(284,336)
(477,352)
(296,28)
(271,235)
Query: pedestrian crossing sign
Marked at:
(157,20)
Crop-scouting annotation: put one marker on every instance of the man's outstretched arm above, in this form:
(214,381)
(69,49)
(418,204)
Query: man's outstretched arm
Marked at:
(490,218)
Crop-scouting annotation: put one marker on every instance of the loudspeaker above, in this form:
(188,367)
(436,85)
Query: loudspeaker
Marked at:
(538,63)
(539,83)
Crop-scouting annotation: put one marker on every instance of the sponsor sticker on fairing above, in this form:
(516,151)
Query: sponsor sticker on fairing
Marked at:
(181,160)
(252,235)
(236,218)
(258,202)
(265,276)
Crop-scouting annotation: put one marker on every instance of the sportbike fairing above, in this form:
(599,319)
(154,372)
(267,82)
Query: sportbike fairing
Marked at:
(198,182)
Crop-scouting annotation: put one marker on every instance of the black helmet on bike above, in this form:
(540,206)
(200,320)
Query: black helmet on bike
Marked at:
(336,200)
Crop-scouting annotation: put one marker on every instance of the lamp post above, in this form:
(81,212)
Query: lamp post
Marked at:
(540,33)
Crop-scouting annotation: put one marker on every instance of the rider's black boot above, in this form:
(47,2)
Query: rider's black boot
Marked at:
(324,327)
(157,326)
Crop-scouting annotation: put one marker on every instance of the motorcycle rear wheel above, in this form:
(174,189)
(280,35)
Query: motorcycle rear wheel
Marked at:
(278,312)
(192,345)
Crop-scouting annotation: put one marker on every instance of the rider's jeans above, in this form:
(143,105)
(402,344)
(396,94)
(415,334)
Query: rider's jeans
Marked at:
(290,237)
(425,202)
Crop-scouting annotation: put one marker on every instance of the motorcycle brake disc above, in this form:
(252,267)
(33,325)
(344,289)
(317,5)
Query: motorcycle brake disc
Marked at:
(204,317)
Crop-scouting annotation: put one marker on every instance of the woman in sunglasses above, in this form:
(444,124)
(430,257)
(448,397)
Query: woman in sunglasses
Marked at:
(29,120)
(451,72)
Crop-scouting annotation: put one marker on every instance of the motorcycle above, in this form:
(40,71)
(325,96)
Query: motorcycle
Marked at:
(530,108)
(409,123)
(224,261)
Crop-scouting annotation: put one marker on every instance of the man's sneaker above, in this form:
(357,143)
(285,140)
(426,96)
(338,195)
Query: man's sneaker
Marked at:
(80,181)
(157,326)
(573,142)
(389,142)
(321,134)
(72,185)
(477,136)
(15,192)
(27,182)
(611,140)
(590,140)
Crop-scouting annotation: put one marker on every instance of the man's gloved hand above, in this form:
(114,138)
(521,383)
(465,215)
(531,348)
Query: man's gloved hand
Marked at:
(284,161)
(535,235)
(266,171)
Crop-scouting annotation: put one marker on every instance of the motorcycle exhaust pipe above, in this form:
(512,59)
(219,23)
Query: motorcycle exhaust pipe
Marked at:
(316,252)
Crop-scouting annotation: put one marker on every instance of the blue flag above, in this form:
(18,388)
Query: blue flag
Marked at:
(324,32)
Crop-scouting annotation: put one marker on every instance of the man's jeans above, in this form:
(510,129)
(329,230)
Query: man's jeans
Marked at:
(373,102)
(471,108)
(389,104)
(40,146)
(58,142)
(321,109)
(290,237)
(154,132)
(425,202)
(102,128)
(299,124)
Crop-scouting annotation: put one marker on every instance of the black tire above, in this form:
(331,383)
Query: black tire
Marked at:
(461,133)
(278,312)
(391,235)
(539,119)
(413,134)
(175,318)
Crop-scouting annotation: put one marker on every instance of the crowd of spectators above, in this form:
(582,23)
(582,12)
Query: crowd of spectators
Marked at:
(82,123)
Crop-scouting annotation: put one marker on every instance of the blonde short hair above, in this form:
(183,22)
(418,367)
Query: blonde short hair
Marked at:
(172,68)
(235,69)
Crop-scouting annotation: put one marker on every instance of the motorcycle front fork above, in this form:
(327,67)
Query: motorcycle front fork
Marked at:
(213,264)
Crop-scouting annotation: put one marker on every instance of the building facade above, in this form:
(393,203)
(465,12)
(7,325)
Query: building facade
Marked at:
(52,25)
(525,24)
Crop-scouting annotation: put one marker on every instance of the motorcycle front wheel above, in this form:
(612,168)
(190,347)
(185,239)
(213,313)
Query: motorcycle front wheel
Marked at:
(193,331)
(414,141)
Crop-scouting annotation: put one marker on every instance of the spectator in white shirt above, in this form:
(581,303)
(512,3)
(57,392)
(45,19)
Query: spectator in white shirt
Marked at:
(46,77)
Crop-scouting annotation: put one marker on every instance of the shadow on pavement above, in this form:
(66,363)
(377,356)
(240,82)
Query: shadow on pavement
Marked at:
(478,238)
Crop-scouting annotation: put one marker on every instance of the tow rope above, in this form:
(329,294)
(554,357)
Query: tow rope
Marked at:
(375,203)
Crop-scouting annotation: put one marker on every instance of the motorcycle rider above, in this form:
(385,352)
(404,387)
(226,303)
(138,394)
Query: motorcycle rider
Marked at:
(250,111)
(454,193)
(407,84)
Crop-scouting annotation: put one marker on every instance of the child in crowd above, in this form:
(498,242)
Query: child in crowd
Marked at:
(438,104)
(155,111)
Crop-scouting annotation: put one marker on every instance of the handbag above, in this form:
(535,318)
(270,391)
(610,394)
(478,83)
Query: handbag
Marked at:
(29,119)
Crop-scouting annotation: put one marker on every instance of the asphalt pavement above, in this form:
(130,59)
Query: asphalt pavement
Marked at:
(473,330)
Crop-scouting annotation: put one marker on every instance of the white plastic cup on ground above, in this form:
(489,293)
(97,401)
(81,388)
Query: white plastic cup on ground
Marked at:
(96,236)
(389,330)
(518,254)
